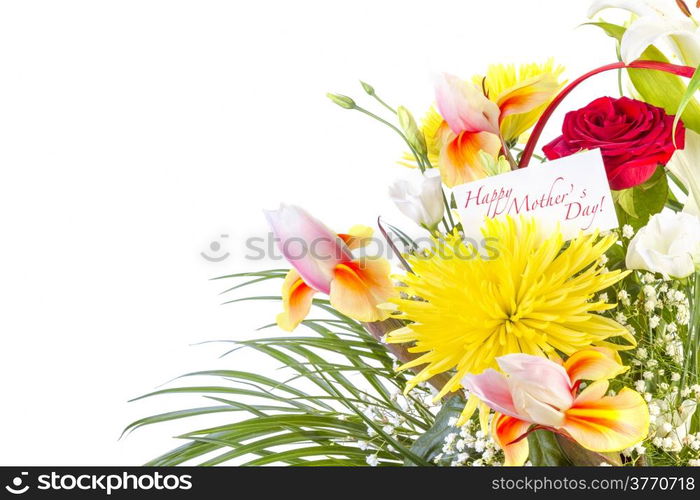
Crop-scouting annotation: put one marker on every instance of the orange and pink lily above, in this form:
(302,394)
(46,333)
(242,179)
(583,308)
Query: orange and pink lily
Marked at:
(489,117)
(535,393)
(323,262)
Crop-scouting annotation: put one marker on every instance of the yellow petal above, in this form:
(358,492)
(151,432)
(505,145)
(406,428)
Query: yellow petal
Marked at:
(296,300)
(610,423)
(357,237)
(358,288)
(459,160)
(469,409)
(596,363)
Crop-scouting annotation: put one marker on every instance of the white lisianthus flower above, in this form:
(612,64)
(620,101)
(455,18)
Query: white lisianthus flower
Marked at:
(419,199)
(668,244)
(655,20)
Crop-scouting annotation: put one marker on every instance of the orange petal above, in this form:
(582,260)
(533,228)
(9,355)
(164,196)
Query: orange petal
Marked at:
(357,237)
(358,288)
(609,423)
(296,300)
(459,158)
(505,430)
(596,363)
(527,95)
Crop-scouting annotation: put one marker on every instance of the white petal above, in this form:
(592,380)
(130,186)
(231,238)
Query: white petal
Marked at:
(687,47)
(646,30)
(685,164)
(431,197)
(537,411)
(669,244)
(639,7)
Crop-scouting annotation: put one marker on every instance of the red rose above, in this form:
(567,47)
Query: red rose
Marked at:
(633,136)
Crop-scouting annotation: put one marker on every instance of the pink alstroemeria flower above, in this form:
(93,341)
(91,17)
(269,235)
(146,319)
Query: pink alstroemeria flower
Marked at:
(475,122)
(323,262)
(535,391)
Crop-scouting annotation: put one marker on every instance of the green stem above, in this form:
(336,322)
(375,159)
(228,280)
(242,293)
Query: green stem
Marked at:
(694,335)
(508,154)
(449,212)
(677,182)
(674,205)
(395,129)
(380,101)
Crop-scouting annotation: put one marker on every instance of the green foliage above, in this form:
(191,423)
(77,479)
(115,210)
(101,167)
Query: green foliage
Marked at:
(339,387)
(688,99)
(545,449)
(429,445)
(635,205)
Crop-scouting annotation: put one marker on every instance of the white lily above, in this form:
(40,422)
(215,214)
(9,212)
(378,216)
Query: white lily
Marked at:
(685,164)
(656,20)
(419,199)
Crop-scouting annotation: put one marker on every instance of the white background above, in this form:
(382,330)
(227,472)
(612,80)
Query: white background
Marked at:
(134,133)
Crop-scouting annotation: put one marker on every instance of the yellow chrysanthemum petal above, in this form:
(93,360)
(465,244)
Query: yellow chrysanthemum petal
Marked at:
(534,297)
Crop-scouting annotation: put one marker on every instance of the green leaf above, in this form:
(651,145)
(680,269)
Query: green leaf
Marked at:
(693,86)
(616,257)
(580,456)
(635,205)
(545,449)
(657,87)
(316,409)
(429,445)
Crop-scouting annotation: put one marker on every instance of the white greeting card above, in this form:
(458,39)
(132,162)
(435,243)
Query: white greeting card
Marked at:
(572,192)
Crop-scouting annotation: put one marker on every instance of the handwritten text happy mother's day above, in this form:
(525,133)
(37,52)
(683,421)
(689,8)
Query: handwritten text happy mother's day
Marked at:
(572,192)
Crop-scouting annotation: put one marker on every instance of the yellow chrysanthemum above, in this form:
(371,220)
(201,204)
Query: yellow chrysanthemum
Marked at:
(524,294)
(512,87)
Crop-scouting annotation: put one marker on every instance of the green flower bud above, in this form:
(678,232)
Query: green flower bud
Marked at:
(342,100)
(368,88)
(414,135)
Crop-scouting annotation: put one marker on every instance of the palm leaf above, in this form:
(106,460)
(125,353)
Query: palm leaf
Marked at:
(336,379)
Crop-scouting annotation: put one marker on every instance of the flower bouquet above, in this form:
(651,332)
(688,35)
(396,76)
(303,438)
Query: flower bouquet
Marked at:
(551,313)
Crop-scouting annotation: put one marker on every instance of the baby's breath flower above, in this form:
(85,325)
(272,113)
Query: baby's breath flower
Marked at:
(654,321)
(648,278)
(624,297)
